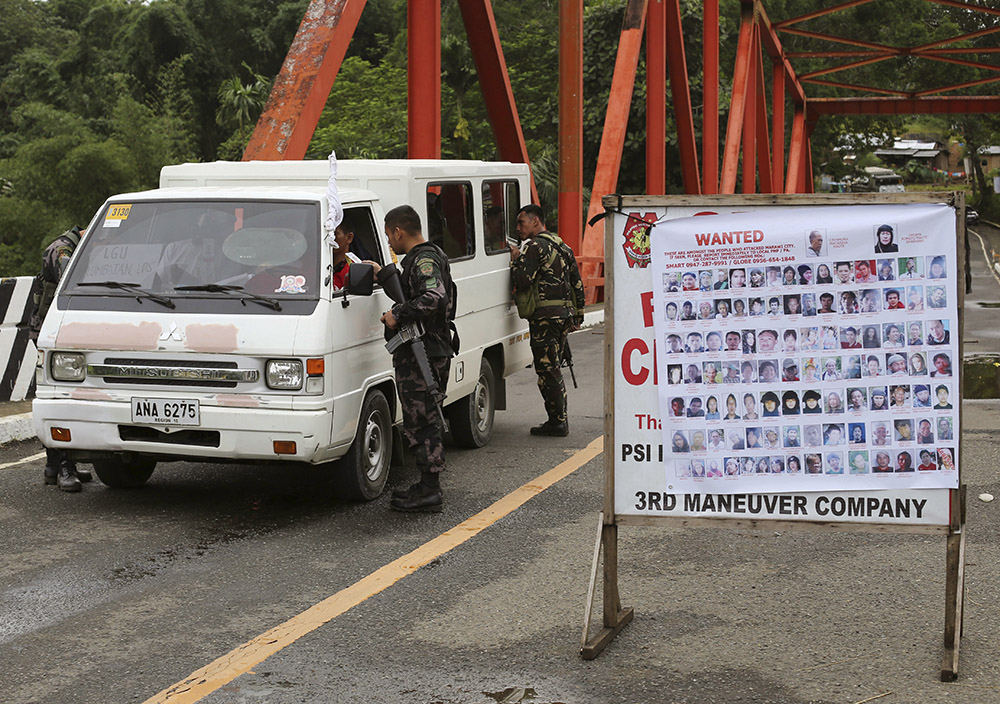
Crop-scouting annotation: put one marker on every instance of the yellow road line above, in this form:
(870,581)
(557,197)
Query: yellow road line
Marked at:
(21,461)
(240,660)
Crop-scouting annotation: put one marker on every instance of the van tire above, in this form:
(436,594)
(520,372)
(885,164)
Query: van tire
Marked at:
(118,472)
(363,471)
(471,418)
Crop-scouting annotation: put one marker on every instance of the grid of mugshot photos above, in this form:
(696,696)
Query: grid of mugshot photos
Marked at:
(840,367)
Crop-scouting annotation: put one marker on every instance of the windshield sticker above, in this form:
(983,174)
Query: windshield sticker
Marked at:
(116,214)
(292,283)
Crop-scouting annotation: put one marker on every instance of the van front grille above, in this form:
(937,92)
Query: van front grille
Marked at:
(172,372)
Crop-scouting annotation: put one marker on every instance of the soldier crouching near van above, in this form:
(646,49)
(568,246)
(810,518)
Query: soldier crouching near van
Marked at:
(428,290)
(59,468)
(548,291)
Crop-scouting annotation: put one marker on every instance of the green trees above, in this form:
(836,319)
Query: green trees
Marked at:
(97,95)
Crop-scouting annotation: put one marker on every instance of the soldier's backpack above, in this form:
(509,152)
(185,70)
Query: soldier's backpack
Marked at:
(528,302)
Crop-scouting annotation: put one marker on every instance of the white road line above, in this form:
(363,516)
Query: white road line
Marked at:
(986,256)
(23,460)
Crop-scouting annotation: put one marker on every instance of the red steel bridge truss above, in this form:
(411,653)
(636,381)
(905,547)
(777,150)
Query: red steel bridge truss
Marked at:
(758,153)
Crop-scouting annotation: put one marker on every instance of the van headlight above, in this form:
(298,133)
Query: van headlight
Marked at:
(67,366)
(284,374)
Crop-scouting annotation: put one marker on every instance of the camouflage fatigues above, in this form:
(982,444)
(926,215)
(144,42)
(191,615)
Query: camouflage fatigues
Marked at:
(548,335)
(551,266)
(421,424)
(55,259)
(427,286)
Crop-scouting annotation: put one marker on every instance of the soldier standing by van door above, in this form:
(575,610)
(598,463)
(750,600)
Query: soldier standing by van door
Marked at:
(429,293)
(59,468)
(549,293)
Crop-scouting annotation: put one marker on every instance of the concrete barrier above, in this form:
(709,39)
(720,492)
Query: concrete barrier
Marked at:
(17,351)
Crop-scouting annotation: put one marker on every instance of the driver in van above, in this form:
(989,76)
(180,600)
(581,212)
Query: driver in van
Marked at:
(199,259)
(343,237)
(495,237)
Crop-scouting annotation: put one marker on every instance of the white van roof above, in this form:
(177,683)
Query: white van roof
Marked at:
(257,192)
(315,173)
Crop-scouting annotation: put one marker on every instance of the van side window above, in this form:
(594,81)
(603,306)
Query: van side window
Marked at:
(501,201)
(450,223)
(359,220)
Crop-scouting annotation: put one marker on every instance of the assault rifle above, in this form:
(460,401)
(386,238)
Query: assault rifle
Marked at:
(567,361)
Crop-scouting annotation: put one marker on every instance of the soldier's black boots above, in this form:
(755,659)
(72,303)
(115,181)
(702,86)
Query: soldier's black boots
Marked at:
(67,479)
(425,495)
(552,429)
(405,493)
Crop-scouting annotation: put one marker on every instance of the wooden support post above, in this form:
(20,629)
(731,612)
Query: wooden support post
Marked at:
(615,617)
(954,596)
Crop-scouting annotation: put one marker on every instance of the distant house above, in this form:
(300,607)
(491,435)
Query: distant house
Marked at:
(989,158)
(934,155)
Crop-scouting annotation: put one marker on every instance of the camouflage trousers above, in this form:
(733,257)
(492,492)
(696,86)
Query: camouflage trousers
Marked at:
(421,423)
(548,337)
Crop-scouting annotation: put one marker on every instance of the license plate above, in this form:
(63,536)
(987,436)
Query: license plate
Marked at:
(166,411)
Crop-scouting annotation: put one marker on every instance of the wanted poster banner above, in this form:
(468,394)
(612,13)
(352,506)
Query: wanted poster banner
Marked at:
(651,368)
(807,349)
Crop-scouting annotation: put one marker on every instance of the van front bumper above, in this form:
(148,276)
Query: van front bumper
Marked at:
(224,433)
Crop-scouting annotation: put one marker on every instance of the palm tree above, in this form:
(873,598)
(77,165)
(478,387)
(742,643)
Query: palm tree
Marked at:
(240,104)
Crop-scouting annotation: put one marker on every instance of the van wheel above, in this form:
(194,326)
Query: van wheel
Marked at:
(120,472)
(365,468)
(471,418)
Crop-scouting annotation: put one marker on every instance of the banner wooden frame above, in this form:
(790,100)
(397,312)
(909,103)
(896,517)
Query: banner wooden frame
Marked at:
(616,617)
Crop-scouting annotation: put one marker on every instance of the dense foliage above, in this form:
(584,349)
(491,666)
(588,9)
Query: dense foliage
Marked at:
(97,95)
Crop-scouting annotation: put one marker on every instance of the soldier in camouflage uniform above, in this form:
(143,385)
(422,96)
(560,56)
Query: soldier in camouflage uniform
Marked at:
(59,468)
(548,267)
(427,286)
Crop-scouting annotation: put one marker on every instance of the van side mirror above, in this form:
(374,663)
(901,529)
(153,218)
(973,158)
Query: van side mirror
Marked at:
(360,280)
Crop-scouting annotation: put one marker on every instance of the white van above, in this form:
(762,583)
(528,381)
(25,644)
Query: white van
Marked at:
(200,321)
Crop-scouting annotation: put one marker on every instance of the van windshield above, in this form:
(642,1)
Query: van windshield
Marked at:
(267,248)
